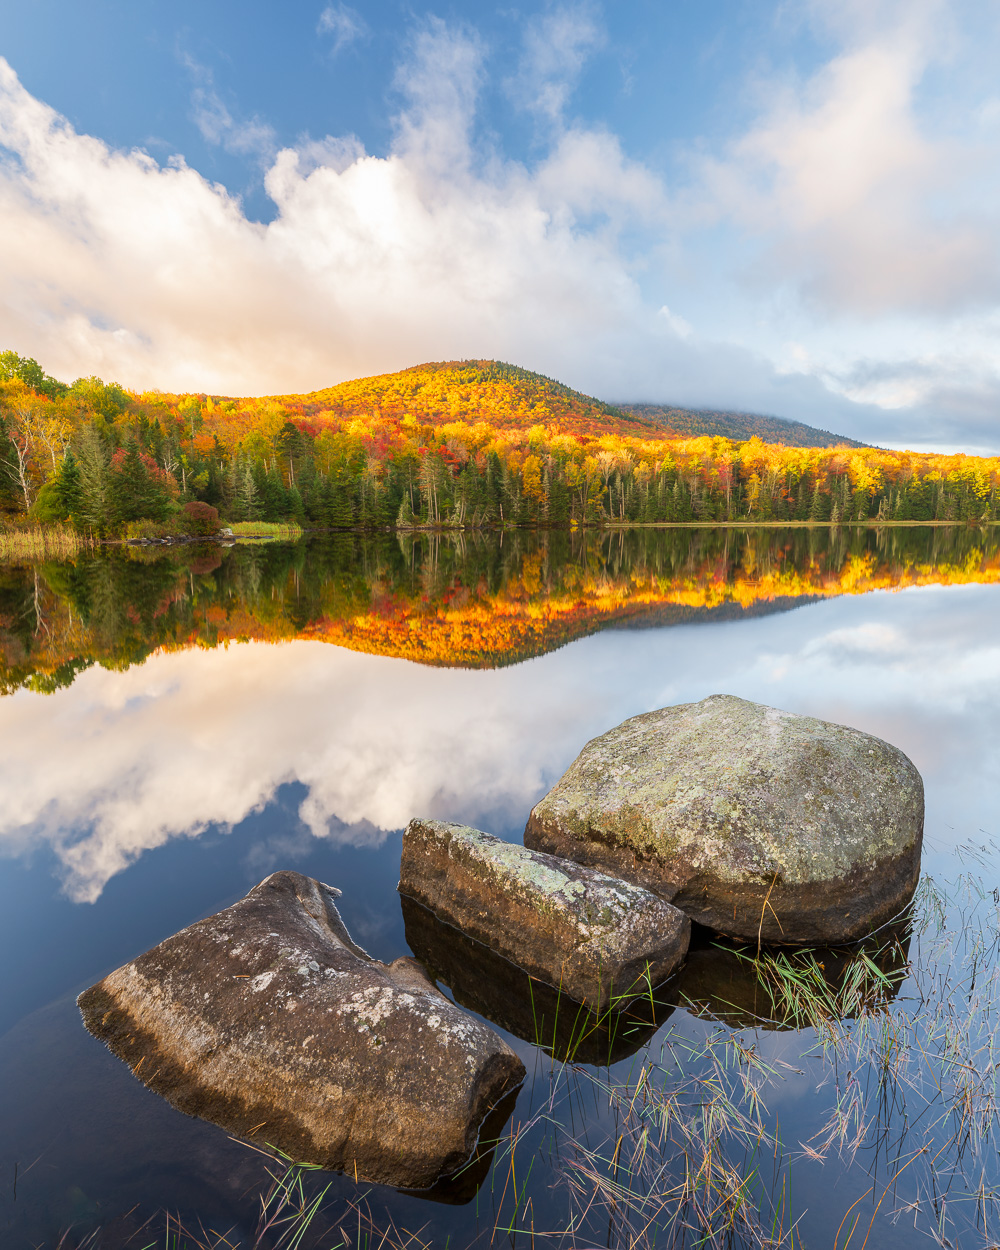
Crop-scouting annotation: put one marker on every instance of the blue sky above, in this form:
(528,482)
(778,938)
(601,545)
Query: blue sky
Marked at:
(786,207)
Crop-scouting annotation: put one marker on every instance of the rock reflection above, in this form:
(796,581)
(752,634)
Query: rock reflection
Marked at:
(783,990)
(462,1186)
(496,989)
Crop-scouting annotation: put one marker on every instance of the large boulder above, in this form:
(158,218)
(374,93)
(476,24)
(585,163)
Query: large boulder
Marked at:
(599,940)
(763,825)
(268,1020)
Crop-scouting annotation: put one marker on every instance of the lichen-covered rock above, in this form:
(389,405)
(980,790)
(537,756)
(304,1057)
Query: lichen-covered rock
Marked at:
(598,939)
(760,824)
(268,1020)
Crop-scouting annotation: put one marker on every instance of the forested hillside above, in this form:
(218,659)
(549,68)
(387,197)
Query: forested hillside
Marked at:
(692,423)
(501,395)
(473,443)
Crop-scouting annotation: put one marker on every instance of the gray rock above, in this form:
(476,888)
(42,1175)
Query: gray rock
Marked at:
(268,1020)
(600,940)
(763,825)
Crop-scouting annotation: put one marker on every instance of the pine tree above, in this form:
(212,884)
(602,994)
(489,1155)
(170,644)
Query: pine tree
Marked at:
(404,518)
(136,493)
(96,509)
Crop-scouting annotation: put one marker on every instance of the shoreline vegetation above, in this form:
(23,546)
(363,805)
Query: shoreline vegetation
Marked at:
(463,445)
(61,542)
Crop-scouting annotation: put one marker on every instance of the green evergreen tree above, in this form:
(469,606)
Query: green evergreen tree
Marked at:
(96,505)
(135,493)
(61,497)
(404,517)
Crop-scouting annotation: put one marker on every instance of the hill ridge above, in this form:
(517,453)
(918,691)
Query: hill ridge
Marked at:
(449,389)
(738,426)
(405,388)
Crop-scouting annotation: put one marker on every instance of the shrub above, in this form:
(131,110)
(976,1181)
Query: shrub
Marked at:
(202,518)
(146,528)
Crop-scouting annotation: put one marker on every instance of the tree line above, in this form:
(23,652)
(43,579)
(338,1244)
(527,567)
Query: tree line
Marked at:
(473,444)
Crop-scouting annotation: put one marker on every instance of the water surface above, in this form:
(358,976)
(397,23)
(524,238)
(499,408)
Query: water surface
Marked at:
(177,726)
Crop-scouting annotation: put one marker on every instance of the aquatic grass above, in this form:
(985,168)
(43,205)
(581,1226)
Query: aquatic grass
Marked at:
(804,995)
(683,1146)
(910,1052)
(624,1011)
(41,542)
(277,531)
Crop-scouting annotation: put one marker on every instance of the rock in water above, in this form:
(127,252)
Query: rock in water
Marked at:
(269,1021)
(760,824)
(484,982)
(600,940)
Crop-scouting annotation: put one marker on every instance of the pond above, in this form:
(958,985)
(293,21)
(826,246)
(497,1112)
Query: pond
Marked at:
(179,723)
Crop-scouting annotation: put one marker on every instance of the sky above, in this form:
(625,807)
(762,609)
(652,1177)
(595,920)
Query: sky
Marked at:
(786,207)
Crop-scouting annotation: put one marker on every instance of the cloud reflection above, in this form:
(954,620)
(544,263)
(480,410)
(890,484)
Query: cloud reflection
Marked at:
(121,762)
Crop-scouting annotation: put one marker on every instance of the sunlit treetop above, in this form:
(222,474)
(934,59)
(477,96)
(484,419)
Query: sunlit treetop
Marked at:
(504,395)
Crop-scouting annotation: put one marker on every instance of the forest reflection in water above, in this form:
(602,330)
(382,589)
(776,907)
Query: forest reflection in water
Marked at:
(137,801)
(451,599)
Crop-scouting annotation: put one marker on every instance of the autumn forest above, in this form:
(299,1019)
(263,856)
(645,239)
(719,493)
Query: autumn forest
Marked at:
(462,444)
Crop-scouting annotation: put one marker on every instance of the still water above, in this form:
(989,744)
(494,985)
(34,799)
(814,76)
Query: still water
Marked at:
(175,726)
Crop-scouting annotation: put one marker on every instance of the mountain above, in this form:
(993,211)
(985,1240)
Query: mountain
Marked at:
(508,397)
(505,396)
(739,426)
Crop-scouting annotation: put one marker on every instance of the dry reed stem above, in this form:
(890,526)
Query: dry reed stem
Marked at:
(42,542)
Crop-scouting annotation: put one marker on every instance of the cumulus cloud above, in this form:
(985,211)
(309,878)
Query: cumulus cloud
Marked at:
(148,273)
(446,248)
(864,208)
(151,274)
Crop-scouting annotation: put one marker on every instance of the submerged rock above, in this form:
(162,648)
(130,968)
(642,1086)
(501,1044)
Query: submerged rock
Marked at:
(759,824)
(269,1021)
(600,940)
(486,983)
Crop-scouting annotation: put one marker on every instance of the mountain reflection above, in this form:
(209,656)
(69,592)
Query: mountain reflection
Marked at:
(454,600)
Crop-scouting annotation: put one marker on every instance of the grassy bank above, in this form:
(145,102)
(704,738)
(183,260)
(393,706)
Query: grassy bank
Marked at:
(279,531)
(42,542)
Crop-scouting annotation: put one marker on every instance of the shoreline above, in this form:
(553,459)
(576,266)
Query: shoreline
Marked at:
(57,542)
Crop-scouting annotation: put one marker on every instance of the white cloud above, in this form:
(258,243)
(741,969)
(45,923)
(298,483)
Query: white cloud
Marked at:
(679,326)
(117,265)
(862,207)
(557,44)
(217,124)
(445,248)
(344,24)
(150,274)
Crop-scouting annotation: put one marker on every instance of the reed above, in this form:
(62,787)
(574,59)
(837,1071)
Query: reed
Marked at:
(279,531)
(41,542)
